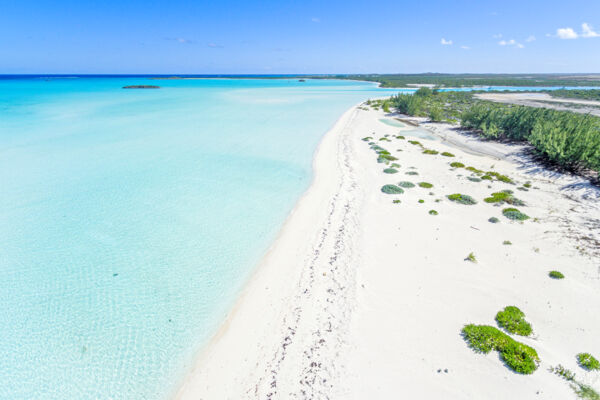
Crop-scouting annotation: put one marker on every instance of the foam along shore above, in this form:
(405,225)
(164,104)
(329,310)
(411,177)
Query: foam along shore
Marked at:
(364,294)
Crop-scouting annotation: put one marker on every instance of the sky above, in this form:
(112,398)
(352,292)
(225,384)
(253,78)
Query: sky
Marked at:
(298,37)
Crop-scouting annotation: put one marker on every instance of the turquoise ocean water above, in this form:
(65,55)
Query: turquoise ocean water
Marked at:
(129,219)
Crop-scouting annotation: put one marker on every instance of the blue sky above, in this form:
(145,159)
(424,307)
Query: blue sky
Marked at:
(298,36)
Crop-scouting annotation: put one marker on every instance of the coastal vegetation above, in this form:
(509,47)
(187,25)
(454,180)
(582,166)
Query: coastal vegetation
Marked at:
(563,138)
(425,185)
(447,154)
(556,275)
(390,170)
(392,189)
(518,356)
(582,390)
(582,94)
(461,199)
(505,196)
(468,80)
(457,164)
(406,184)
(588,362)
(494,220)
(513,320)
(471,257)
(433,212)
(514,214)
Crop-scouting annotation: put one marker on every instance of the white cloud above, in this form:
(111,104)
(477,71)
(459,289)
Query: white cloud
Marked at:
(511,42)
(465,47)
(530,39)
(446,42)
(315,20)
(588,31)
(566,33)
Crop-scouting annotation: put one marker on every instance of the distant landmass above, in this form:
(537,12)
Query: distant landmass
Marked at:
(141,87)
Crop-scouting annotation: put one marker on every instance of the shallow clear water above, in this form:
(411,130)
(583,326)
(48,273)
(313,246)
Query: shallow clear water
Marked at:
(130,219)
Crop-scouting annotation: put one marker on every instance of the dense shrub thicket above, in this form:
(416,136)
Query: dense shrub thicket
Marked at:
(567,139)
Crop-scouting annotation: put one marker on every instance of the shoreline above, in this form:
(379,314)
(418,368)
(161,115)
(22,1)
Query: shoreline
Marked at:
(295,221)
(359,297)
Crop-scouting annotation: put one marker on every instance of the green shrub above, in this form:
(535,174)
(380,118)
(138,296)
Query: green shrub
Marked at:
(429,151)
(471,257)
(486,178)
(474,170)
(504,196)
(391,189)
(457,164)
(395,165)
(415,142)
(446,154)
(436,114)
(366,139)
(517,356)
(507,243)
(425,185)
(587,361)
(412,173)
(473,179)
(390,171)
(494,220)
(421,201)
(461,198)
(400,137)
(406,184)
(556,275)
(384,158)
(433,212)
(514,214)
(397,201)
(513,320)
(582,391)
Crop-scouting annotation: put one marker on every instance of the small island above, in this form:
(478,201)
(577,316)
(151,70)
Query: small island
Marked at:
(141,87)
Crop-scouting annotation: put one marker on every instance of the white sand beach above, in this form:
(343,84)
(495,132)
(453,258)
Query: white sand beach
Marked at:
(363,298)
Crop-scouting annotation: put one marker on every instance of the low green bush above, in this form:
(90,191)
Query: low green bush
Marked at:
(457,164)
(471,257)
(461,199)
(397,201)
(426,185)
(507,243)
(392,189)
(400,137)
(513,320)
(587,361)
(446,154)
(406,184)
(429,151)
(395,165)
(412,173)
(421,201)
(514,214)
(504,196)
(473,179)
(415,142)
(518,356)
(390,171)
(433,212)
(494,220)
(474,170)
(366,139)
(556,275)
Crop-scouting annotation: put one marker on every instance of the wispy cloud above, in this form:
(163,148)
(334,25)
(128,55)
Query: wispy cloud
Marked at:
(465,47)
(215,46)
(530,39)
(180,40)
(446,42)
(316,20)
(511,42)
(587,31)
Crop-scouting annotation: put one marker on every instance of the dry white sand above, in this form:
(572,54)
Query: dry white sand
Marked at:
(361,298)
